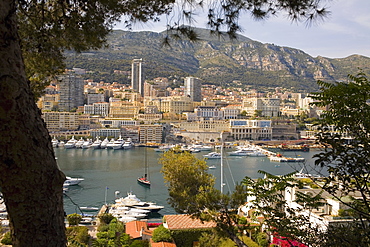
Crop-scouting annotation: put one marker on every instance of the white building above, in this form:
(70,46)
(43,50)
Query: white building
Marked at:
(269,107)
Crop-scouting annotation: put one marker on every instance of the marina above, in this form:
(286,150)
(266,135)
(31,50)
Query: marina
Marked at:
(106,171)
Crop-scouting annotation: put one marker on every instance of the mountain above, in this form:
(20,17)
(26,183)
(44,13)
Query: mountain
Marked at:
(216,60)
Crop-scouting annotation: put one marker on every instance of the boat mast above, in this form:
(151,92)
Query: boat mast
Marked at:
(222,164)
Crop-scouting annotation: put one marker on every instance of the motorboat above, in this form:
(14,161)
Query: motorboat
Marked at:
(61,144)
(89,209)
(279,158)
(73,181)
(97,143)
(201,147)
(79,143)
(212,155)
(151,206)
(117,144)
(212,167)
(239,152)
(104,143)
(71,143)
(132,201)
(128,144)
(54,142)
(129,201)
(257,154)
(164,148)
(86,221)
(87,144)
(126,218)
(110,143)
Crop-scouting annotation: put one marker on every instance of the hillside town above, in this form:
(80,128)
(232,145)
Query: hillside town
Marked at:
(152,112)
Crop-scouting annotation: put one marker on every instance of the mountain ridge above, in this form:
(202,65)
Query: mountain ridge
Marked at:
(217,61)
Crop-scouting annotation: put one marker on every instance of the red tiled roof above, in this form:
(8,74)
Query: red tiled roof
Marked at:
(162,244)
(183,221)
(134,228)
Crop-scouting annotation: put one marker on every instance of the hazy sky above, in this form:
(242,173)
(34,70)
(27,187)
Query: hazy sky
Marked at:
(345,32)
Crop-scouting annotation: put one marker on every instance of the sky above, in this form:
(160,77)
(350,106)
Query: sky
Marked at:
(345,32)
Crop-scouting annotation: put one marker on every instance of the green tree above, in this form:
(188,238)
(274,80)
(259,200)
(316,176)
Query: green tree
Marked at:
(74,219)
(162,234)
(34,35)
(348,108)
(78,235)
(191,191)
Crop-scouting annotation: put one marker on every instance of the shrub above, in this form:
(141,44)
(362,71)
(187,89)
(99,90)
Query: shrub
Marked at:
(74,219)
(106,218)
(162,234)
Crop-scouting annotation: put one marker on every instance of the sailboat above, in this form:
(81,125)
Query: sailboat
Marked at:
(144,180)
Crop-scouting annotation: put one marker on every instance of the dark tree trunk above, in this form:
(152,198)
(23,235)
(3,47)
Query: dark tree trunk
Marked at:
(30,180)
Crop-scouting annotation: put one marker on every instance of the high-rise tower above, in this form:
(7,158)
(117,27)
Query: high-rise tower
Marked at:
(193,88)
(137,82)
(71,87)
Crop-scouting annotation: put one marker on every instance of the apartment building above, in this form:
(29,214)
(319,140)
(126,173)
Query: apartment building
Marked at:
(61,121)
(269,107)
(151,133)
(174,104)
(71,88)
(101,109)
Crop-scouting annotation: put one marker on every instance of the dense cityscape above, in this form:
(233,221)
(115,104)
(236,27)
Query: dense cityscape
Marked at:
(191,113)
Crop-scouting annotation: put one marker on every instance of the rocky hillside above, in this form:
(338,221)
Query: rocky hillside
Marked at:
(217,60)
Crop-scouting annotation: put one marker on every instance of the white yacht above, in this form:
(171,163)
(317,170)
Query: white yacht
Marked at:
(110,143)
(73,181)
(70,143)
(212,155)
(239,152)
(104,143)
(54,142)
(87,144)
(133,202)
(79,143)
(201,147)
(118,143)
(128,144)
(97,143)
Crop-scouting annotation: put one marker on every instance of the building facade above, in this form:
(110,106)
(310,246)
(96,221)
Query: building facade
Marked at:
(71,88)
(268,107)
(61,121)
(137,82)
(193,89)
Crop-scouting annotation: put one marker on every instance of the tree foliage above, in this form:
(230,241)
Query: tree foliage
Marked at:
(162,234)
(191,191)
(344,130)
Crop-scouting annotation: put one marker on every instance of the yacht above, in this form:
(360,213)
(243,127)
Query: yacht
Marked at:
(54,142)
(133,202)
(97,143)
(110,144)
(118,143)
(201,147)
(239,152)
(79,143)
(128,144)
(87,144)
(212,155)
(70,143)
(73,181)
(104,143)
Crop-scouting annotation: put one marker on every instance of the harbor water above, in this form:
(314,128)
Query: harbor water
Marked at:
(106,171)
